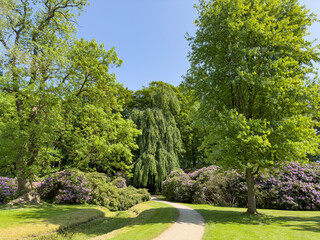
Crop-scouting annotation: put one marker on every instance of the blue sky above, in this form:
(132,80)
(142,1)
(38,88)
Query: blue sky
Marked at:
(149,36)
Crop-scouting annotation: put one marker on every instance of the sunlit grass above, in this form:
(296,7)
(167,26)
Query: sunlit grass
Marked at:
(34,221)
(235,223)
(143,221)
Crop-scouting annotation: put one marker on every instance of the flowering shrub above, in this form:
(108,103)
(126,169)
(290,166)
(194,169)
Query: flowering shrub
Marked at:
(294,187)
(187,187)
(75,187)
(8,188)
(65,187)
(119,182)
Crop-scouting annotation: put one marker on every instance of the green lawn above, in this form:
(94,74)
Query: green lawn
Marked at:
(149,219)
(234,223)
(143,221)
(34,221)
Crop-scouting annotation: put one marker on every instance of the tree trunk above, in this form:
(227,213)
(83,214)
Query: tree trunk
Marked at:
(24,185)
(252,207)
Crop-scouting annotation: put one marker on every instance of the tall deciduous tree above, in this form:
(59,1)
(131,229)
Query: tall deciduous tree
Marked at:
(192,134)
(56,92)
(252,72)
(160,145)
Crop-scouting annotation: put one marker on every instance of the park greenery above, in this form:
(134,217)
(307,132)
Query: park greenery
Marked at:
(249,104)
(292,186)
(233,223)
(143,221)
(253,76)
(160,145)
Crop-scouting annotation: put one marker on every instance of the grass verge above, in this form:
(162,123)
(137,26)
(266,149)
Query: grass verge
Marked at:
(16,223)
(235,223)
(143,221)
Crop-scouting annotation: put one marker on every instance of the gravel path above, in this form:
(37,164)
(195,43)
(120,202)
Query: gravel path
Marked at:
(189,226)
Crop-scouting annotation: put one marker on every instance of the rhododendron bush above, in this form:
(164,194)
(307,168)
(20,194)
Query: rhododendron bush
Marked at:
(65,187)
(293,186)
(76,187)
(8,188)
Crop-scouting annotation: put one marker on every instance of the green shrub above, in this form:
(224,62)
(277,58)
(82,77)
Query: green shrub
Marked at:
(106,194)
(181,188)
(119,182)
(292,186)
(65,187)
(218,191)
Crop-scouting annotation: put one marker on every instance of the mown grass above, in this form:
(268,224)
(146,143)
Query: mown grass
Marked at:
(235,223)
(16,223)
(143,221)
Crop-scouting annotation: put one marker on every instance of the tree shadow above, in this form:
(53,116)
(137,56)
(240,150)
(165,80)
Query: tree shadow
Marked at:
(61,215)
(95,223)
(307,223)
(106,225)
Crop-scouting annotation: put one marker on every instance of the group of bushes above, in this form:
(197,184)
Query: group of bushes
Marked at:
(75,187)
(293,186)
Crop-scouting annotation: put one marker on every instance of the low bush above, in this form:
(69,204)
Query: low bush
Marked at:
(112,197)
(218,191)
(119,182)
(182,187)
(293,186)
(178,187)
(75,187)
(65,187)
(8,188)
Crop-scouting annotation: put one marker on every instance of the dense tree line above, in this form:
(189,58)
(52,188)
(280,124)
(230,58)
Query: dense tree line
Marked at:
(60,107)
(249,101)
(58,101)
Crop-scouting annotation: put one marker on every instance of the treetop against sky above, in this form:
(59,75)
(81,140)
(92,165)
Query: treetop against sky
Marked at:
(149,36)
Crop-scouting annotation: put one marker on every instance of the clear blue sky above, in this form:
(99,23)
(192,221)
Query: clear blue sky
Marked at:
(149,36)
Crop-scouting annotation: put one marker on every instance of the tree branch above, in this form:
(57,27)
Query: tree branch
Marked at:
(84,82)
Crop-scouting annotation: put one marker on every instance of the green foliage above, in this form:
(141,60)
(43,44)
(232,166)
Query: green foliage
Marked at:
(250,66)
(192,134)
(160,145)
(106,194)
(252,73)
(58,101)
(65,187)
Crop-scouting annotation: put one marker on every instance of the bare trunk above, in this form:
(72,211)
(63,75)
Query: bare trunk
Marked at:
(24,184)
(252,206)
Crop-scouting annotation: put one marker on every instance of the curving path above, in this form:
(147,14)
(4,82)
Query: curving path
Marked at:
(189,226)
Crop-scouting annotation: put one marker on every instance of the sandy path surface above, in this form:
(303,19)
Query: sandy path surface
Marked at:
(189,226)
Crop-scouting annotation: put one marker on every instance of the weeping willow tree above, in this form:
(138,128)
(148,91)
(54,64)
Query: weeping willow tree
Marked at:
(160,145)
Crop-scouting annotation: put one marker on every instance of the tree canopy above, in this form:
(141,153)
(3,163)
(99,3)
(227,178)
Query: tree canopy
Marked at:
(192,134)
(57,98)
(253,75)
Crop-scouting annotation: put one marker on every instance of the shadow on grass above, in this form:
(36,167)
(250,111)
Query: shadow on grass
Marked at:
(87,221)
(61,215)
(108,224)
(307,223)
